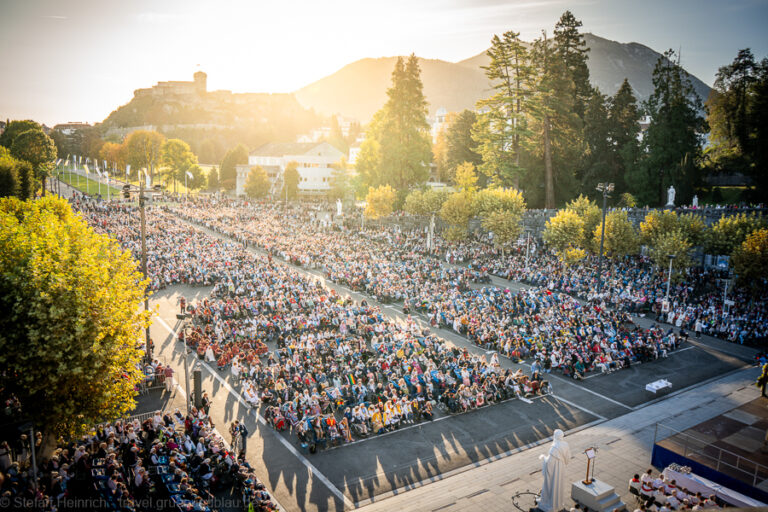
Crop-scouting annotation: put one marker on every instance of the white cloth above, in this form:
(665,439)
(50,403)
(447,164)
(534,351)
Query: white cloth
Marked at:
(554,490)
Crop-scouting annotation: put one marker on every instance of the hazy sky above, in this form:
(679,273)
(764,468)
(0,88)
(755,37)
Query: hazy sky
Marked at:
(77,60)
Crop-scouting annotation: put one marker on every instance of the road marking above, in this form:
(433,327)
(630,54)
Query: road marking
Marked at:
(453,472)
(312,469)
(593,413)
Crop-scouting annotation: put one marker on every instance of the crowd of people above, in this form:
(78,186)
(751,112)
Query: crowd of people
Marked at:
(551,328)
(339,369)
(661,494)
(168,461)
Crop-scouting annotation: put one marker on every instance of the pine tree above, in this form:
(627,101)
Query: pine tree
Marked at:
(554,122)
(502,124)
(624,130)
(403,132)
(673,138)
(572,49)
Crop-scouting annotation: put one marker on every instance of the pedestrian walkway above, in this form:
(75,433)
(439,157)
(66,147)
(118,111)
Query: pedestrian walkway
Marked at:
(623,443)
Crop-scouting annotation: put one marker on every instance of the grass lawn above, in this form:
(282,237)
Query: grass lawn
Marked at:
(88,186)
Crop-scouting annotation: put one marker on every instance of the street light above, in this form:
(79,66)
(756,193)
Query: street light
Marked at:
(669,276)
(183,317)
(148,344)
(605,189)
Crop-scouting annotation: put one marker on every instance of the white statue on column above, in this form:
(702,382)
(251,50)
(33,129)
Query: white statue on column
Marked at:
(338,207)
(671,196)
(554,490)
(695,202)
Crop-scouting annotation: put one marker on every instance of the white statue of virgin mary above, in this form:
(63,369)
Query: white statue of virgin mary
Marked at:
(554,490)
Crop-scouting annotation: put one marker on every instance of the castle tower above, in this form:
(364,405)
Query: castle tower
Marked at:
(200,81)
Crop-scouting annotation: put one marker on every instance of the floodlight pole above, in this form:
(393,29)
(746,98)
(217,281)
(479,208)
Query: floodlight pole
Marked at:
(144,264)
(605,188)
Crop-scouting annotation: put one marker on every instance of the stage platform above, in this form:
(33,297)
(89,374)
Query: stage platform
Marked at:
(727,449)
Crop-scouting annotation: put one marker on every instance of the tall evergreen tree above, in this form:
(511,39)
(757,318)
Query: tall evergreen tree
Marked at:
(624,124)
(502,125)
(572,49)
(673,139)
(403,134)
(460,146)
(554,123)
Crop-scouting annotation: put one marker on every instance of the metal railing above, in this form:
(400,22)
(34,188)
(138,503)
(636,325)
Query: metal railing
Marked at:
(752,472)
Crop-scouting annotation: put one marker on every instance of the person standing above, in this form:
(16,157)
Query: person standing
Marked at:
(243,432)
(168,372)
(698,327)
(762,380)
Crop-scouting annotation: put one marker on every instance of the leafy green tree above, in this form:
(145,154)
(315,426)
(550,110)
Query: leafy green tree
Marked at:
(673,139)
(379,201)
(465,178)
(599,161)
(671,243)
(590,214)
(627,200)
(9,179)
(257,183)
(176,157)
(143,150)
(425,203)
(621,238)
(35,147)
(227,170)
(501,212)
(456,212)
(341,186)
(564,230)
(491,200)
(656,224)
(213,179)
(198,179)
(505,226)
(460,147)
(501,127)
(14,128)
(291,180)
(71,317)
(27,182)
(693,227)
(750,260)
(730,231)
(397,150)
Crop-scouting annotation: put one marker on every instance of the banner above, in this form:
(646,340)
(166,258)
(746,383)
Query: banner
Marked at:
(189,175)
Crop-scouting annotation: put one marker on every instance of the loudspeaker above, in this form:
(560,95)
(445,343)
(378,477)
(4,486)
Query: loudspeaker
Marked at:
(197,378)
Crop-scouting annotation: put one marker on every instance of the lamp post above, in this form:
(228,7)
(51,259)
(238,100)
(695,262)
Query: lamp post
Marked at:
(148,344)
(183,317)
(669,276)
(605,189)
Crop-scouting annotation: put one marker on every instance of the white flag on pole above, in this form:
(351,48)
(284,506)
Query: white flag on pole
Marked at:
(127,169)
(189,175)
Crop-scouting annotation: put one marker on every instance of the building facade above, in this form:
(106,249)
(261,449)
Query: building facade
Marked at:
(314,159)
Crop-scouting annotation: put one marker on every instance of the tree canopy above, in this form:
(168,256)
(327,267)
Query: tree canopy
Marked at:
(257,183)
(71,317)
(227,170)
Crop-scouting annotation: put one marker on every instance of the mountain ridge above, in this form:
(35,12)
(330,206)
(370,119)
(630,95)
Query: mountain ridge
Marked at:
(458,85)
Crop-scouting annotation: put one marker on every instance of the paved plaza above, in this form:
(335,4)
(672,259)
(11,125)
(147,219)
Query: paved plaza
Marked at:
(484,457)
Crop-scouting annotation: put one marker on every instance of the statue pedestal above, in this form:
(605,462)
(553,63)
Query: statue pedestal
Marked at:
(597,496)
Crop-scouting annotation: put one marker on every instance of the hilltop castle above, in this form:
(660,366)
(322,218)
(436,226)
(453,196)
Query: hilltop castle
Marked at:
(197,87)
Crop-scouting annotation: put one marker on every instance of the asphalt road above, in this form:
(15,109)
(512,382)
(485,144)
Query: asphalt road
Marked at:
(353,474)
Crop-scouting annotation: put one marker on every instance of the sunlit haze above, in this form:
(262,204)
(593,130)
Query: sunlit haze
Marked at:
(78,60)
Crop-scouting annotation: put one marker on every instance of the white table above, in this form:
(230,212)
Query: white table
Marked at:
(657,385)
(696,483)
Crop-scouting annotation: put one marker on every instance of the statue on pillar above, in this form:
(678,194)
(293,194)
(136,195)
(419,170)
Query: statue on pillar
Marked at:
(338,207)
(554,490)
(671,196)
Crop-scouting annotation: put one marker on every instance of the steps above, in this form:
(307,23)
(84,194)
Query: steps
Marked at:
(597,496)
